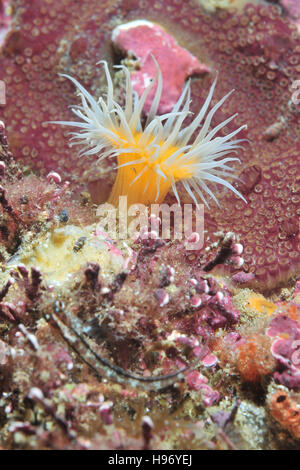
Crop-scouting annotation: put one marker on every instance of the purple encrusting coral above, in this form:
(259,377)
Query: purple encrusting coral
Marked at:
(145,343)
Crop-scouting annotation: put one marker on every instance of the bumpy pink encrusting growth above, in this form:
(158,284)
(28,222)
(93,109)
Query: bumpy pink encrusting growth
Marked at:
(144,39)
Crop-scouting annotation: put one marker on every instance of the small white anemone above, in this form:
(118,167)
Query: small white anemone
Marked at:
(153,157)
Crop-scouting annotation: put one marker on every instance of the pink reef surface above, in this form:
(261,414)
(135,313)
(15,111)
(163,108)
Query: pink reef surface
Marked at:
(145,40)
(153,346)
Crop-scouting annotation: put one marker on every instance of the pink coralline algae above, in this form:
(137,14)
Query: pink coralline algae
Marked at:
(196,381)
(286,349)
(143,40)
(216,311)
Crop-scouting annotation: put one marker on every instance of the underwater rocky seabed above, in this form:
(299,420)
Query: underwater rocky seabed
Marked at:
(71,299)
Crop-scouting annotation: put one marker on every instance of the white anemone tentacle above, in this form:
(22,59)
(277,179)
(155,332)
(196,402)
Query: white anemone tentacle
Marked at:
(163,142)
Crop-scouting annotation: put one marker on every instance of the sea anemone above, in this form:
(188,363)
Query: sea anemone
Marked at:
(155,154)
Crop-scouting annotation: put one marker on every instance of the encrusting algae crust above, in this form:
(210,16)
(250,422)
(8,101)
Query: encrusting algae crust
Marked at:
(252,304)
(94,331)
(63,251)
